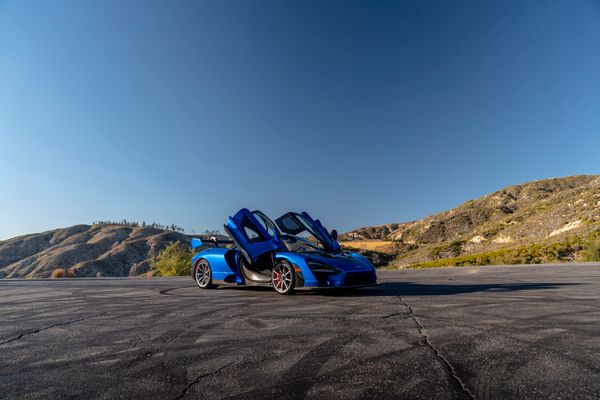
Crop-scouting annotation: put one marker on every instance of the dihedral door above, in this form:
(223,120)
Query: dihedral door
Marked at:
(250,236)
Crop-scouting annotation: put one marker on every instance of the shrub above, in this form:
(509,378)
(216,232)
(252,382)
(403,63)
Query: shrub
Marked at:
(63,273)
(58,273)
(591,252)
(529,254)
(173,261)
(452,249)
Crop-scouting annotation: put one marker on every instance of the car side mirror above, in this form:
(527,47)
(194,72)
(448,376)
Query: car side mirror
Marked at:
(334,235)
(196,243)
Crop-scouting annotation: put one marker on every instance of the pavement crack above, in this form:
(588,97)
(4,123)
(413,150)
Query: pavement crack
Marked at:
(449,367)
(20,336)
(185,391)
(390,315)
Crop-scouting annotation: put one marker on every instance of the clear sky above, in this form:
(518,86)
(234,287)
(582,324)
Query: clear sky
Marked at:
(360,112)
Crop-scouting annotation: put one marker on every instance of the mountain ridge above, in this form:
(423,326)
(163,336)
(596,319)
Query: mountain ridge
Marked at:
(536,212)
(542,220)
(85,250)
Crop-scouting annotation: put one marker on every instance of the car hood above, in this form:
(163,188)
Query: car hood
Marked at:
(344,260)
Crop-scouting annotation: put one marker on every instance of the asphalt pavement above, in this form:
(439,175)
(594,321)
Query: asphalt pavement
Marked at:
(519,332)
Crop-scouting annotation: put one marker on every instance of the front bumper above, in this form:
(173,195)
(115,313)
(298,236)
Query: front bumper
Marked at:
(347,279)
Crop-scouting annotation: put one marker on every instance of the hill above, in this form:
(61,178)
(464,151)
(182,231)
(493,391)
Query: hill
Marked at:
(85,250)
(557,215)
(539,221)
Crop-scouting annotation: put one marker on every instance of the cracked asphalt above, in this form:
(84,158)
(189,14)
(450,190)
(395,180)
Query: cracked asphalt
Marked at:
(464,333)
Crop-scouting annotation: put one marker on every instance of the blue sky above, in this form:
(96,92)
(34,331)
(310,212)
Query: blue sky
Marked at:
(360,112)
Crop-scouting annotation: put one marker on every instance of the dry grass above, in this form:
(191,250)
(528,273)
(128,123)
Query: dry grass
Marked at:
(374,245)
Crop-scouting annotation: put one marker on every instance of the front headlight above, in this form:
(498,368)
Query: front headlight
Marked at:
(320,268)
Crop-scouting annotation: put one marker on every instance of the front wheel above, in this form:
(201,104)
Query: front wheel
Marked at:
(203,274)
(283,277)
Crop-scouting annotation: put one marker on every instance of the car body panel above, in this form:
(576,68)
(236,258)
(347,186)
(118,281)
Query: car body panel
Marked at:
(222,263)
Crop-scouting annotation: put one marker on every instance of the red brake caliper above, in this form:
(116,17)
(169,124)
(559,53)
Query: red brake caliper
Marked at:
(277,280)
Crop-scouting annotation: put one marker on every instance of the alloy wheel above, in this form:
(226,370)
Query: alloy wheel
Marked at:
(282,277)
(202,274)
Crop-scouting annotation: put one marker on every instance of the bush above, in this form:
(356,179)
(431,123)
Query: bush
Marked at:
(452,249)
(58,273)
(63,273)
(591,252)
(175,260)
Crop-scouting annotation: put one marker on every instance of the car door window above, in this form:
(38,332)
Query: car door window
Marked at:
(265,222)
(252,234)
(288,225)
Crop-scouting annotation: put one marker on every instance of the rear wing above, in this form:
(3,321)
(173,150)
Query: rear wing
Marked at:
(213,239)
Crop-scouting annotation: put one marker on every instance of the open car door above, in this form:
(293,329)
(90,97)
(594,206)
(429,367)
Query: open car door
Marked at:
(293,223)
(249,234)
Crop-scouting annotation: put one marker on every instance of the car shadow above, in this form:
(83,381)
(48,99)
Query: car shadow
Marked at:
(419,289)
(391,289)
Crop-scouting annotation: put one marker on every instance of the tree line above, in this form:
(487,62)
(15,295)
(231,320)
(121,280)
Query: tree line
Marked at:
(156,225)
(135,224)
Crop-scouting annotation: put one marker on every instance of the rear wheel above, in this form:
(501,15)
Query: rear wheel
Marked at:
(283,277)
(203,274)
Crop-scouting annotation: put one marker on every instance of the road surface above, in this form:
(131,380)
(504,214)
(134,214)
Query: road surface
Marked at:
(486,333)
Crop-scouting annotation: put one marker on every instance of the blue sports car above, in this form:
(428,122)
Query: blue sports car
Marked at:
(294,252)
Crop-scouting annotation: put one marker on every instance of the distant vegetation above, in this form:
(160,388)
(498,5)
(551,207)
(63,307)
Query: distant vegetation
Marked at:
(156,225)
(591,252)
(569,250)
(136,224)
(175,260)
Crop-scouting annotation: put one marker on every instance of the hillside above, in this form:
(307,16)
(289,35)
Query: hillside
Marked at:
(87,250)
(558,211)
(546,220)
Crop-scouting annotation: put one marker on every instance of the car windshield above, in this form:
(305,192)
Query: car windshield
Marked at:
(302,244)
(300,236)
